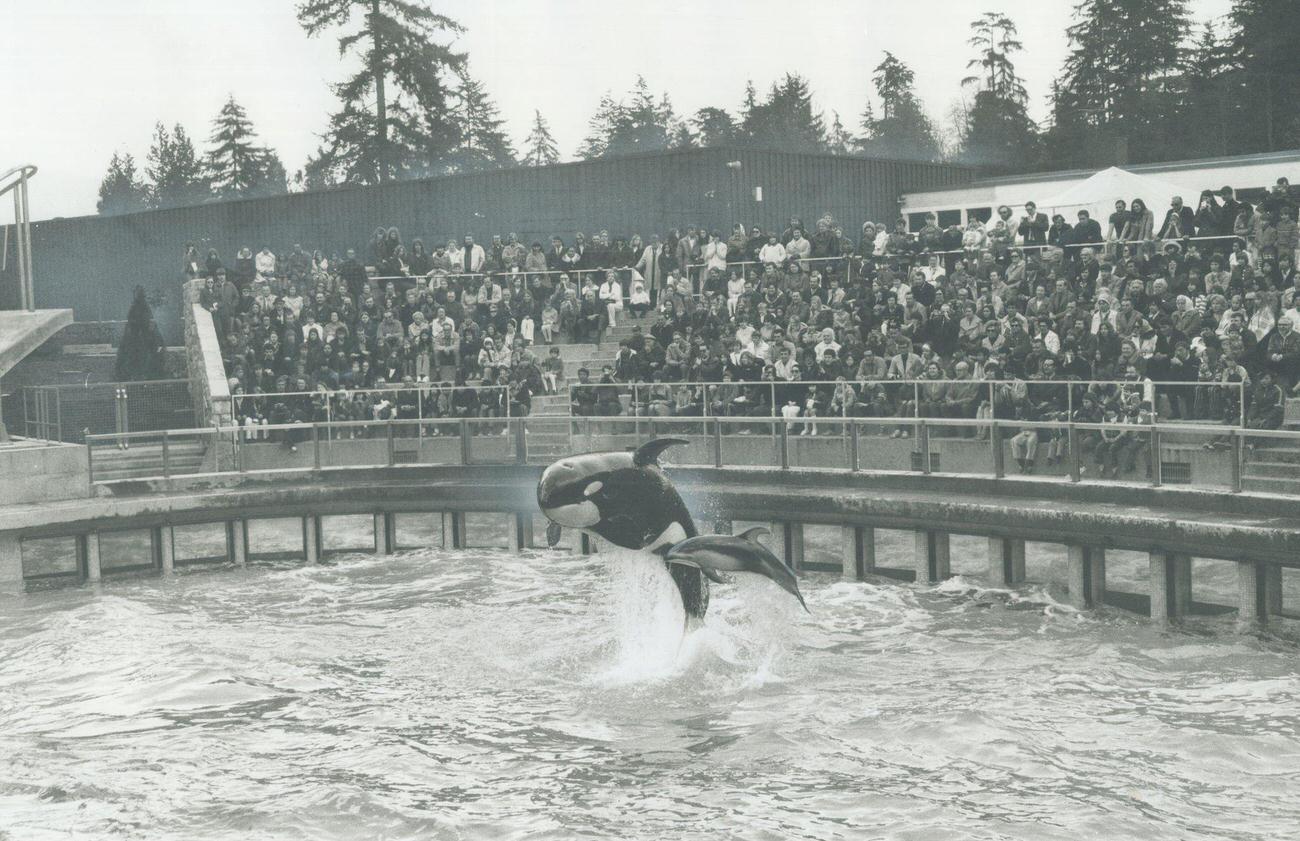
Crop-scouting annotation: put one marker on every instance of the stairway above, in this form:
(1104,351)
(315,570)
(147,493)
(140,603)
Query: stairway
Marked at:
(142,460)
(548,425)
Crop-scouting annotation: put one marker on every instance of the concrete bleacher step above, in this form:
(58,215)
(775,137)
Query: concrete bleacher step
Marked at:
(1270,485)
(1289,455)
(89,350)
(1272,470)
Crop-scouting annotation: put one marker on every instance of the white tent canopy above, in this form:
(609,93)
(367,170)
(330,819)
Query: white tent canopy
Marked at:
(1099,192)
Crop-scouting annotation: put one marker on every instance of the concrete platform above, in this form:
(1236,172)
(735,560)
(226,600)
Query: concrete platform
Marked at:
(22,332)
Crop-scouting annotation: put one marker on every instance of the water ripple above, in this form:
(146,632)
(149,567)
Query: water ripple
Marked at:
(480,695)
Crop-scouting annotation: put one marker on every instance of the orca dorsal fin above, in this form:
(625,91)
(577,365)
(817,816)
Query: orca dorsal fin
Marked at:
(648,453)
(753,534)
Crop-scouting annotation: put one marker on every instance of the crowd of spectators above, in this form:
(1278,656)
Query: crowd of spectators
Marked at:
(994,319)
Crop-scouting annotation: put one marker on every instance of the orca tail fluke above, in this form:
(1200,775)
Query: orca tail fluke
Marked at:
(694,589)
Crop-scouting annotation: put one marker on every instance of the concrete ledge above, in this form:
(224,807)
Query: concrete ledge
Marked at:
(42,473)
(1255,527)
(22,332)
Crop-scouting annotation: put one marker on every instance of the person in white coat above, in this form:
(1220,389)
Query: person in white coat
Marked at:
(651,267)
(715,254)
(472,257)
(773,253)
(611,295)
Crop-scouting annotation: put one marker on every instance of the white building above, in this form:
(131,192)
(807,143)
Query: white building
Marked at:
(1250,175)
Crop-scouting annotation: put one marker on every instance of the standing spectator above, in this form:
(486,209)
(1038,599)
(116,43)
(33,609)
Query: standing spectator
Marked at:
(653,267)
(714,254)
(1033,226)
(1179,221)
(472,257)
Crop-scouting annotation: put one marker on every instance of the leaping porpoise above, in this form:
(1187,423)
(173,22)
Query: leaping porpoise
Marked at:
(625,498)
(714,553)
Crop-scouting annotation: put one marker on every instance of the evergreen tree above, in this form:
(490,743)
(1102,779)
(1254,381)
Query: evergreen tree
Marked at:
(121,191)
(839,142)
(407,72)
(902,130)
(1117,98)
(681,136)
(1264,50)
(714,127)
(141,354)
(176,176)
(483,143)
(237,166)
(1208,110)
(639,124)
(539,147)
(600,128)
(785,119)
(997,131)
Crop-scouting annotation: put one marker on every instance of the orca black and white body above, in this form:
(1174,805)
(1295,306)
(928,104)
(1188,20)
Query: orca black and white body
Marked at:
(625,498)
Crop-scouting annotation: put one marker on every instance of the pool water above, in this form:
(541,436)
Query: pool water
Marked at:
(482,695)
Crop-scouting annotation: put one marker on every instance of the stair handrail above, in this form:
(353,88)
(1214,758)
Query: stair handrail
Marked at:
(23,228)
(26,171)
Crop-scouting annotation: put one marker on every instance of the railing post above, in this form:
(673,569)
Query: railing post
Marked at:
(923,442)
(521,441)
(464,441)
(1234,447)
(315,445)
(166,460)
(1076,458)
(1153,446)
(1241,402)
(90,462)
(999,458)
(717,442)
(392,449)
(853,447)
(785,444)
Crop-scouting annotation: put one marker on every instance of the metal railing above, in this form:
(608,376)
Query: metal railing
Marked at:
(67,412)
(1203,456)
(1205,401)
(15,181)
(418,403)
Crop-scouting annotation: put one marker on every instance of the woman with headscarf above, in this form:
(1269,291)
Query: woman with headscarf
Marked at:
(1186,319)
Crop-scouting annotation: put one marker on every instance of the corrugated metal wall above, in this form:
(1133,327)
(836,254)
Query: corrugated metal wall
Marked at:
(92,263)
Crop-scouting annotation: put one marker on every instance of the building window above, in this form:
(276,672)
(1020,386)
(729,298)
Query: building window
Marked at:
(947,218)
(983,214)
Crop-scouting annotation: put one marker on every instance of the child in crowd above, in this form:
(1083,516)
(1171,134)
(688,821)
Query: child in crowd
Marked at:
(550,323)
(639,303)
(553,371)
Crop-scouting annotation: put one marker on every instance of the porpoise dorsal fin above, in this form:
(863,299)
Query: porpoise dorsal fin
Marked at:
(648,453)
(753,534)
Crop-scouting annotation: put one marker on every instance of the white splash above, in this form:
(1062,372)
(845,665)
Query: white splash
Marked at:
(647,620)
(749,625)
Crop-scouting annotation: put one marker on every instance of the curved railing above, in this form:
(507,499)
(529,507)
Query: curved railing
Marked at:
(1201,456)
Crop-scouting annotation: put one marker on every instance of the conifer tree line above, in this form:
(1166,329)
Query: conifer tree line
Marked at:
(1142,82)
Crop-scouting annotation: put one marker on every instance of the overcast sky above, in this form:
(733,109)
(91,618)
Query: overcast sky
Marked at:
(97,74)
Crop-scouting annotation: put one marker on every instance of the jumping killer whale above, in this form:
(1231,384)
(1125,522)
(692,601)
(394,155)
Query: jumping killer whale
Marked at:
(625,498)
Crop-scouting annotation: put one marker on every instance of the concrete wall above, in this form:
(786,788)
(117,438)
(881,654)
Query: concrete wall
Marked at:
(209,385)
(31,474)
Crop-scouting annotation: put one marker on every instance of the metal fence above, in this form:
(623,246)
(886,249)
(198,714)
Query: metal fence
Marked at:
(68,412)
(1206,402)
(421,402)
(1154,454)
